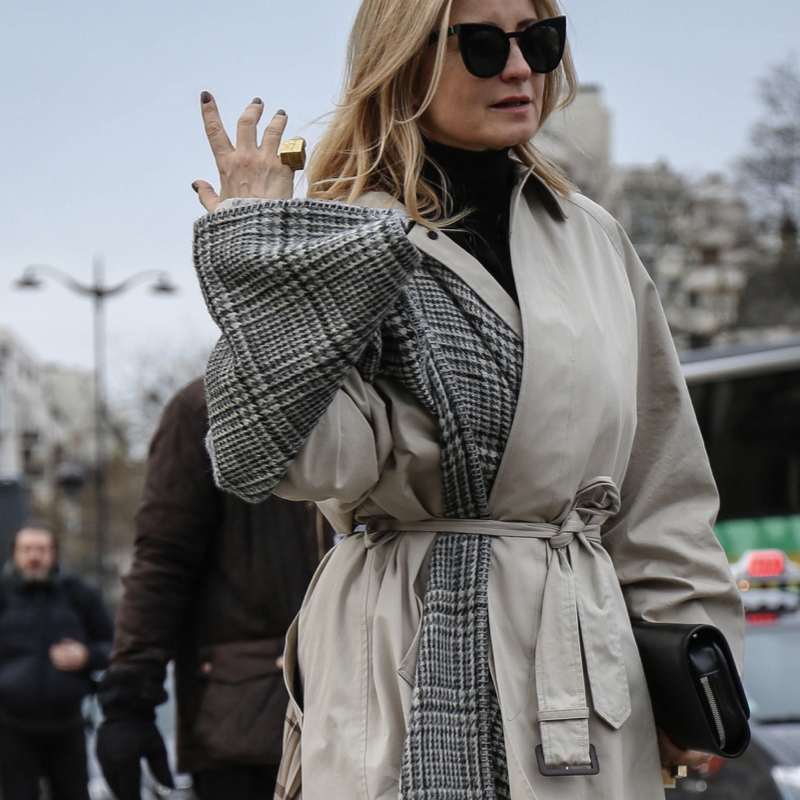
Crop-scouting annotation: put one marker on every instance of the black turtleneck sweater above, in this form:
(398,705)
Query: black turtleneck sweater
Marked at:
(482,182)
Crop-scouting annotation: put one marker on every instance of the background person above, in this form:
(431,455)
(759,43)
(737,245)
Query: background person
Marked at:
(214,584)
(54,631)
(496,397)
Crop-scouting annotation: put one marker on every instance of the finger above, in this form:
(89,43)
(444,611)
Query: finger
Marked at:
(205,192)
(672,755)
(215,131)
(694,758)
(159,765)
(273,133)
(667,750)
(248,122)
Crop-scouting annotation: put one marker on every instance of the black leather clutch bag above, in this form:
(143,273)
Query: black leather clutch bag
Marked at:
(697,697)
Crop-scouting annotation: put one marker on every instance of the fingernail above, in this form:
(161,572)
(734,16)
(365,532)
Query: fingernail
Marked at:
(281,112)
(205,97)
(258,101)
(196,187)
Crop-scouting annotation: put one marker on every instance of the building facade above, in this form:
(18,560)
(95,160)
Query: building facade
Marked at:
(578,139)
(45,419)
(697,241)
(696,238)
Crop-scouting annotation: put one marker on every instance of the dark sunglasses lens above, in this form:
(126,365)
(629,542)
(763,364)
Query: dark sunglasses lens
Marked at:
(543,47)
(485,51)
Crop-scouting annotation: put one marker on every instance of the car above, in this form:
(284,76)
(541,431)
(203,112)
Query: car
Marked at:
(770,768)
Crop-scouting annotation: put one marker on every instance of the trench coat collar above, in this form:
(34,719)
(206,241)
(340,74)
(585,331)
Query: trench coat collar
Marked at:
(443,249)
(528,182)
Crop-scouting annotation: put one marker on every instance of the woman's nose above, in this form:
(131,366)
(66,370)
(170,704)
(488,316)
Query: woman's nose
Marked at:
(516,67)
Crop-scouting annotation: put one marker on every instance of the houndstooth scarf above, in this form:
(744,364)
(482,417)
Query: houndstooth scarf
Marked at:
(305,290)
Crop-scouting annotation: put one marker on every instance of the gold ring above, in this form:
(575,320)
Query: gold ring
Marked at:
(293,153)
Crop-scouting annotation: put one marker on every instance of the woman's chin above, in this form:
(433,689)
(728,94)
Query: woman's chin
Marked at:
(514,137)
(497,139)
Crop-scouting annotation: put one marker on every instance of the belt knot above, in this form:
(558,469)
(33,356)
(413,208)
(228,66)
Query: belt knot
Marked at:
(567,531)
(595,502)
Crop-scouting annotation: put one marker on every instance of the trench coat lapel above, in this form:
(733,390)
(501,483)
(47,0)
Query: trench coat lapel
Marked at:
(531,262)
(441,247)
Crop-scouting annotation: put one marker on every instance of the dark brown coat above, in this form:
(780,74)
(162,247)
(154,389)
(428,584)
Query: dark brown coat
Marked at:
(215,583)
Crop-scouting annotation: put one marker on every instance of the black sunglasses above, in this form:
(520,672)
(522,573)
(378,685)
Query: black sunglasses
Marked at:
(485,48)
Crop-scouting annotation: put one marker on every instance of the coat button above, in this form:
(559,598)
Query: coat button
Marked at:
(310,504)
(206,668)
(433,235)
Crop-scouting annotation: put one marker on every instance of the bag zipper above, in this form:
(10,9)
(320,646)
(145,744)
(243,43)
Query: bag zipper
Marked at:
(712,702)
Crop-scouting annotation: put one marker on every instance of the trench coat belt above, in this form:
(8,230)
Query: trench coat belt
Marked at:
(577,614)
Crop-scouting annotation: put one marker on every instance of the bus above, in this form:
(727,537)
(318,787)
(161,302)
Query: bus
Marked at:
(747,401)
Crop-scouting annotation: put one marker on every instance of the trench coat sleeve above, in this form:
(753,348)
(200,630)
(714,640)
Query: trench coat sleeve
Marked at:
(180,512)
(344,456)
(299,289)
(670,564)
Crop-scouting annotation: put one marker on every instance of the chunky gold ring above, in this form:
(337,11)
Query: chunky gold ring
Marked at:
(293,153)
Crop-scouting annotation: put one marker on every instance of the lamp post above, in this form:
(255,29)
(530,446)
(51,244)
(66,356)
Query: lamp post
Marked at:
(99,291)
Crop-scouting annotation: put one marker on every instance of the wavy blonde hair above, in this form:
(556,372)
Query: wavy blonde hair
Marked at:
(373,142)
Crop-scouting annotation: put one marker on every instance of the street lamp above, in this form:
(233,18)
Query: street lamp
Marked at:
(32,279)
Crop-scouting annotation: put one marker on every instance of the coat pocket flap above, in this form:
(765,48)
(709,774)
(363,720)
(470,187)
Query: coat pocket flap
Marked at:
(236,662)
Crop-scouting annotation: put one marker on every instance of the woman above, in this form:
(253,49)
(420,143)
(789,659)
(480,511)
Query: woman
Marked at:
(499,405)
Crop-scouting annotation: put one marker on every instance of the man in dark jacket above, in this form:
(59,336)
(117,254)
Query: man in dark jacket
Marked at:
(54,631)
(214,585)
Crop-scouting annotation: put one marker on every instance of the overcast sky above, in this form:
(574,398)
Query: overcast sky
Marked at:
(100,133)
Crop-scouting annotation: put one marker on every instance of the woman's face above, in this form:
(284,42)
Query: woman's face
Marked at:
(484,113)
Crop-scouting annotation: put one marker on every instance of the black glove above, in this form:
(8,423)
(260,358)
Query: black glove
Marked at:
(129,733)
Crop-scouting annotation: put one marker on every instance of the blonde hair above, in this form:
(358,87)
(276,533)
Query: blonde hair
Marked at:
(373,142)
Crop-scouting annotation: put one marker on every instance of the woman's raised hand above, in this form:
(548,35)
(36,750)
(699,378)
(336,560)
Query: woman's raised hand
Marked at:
(250,169)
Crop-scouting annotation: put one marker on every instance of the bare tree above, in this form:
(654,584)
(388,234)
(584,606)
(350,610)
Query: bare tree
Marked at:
(770,172)
(654,205)
(153,376)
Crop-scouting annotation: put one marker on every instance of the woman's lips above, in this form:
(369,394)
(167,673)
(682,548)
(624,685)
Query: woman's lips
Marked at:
(513,105)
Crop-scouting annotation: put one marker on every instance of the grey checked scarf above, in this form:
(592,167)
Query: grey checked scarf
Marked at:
(305,290)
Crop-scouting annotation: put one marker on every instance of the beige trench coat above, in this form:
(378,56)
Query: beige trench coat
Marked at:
(602,405)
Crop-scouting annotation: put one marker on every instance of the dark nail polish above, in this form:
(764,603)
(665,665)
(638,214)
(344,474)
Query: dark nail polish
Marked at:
(257,101)
(196,187)
(281,112)
(205,97)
